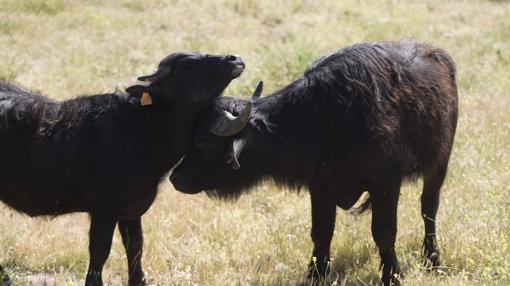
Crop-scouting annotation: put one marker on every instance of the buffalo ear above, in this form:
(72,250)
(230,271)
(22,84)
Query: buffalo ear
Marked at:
(147,94)
(136,90)
(237,148)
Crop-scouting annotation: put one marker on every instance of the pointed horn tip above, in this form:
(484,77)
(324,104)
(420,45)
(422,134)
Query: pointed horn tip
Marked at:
(146,78)
(258,90)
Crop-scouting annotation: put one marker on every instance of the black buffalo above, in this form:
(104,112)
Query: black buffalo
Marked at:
(364,118)
(105,154)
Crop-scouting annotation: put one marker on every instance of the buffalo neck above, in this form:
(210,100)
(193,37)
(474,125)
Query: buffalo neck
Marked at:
(160,134)
(291,125)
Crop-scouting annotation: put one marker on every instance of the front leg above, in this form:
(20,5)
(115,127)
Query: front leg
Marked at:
(384,231)
(102,226)
(323,225)
(132,238)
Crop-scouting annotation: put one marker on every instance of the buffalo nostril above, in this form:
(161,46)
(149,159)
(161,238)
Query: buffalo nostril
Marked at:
(232,58)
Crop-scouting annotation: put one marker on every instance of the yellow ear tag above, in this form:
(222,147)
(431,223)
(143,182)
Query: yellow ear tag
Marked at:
(146,99)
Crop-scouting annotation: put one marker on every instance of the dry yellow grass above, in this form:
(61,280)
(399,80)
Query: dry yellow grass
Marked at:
(65,48)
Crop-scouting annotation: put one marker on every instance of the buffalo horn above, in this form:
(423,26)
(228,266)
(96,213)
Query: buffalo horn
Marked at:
(161,73)
(228,124)
(258,90)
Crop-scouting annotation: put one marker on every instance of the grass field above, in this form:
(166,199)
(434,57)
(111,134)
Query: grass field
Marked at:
(65,48)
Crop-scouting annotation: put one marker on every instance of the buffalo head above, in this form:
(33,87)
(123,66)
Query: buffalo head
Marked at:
(189,77)
(214,159)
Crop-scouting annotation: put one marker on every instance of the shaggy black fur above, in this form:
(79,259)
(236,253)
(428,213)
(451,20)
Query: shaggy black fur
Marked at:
(105,154)
(362,119)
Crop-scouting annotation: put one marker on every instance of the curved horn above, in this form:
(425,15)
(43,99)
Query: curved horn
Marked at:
(229,125)
(258,90)
(161,73)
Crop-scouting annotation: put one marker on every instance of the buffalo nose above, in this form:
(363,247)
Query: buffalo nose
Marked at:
(233,58)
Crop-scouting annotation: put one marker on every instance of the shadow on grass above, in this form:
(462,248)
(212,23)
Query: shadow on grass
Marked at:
(355,261)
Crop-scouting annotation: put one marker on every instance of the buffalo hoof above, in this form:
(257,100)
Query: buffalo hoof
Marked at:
(94,279)
(391,276)
(318,270)
(431,261)
(137,282)
(430,255)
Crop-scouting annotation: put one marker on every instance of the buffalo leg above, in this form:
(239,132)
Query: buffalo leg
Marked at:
(429,204)
(384,231)
(4,278)
(323,225)
(100,241)
(132,238)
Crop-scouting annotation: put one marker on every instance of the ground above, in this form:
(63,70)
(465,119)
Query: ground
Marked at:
(66,48)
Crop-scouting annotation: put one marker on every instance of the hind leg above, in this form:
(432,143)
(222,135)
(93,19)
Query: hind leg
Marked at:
(4,278)
(432,183)
(384,230)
